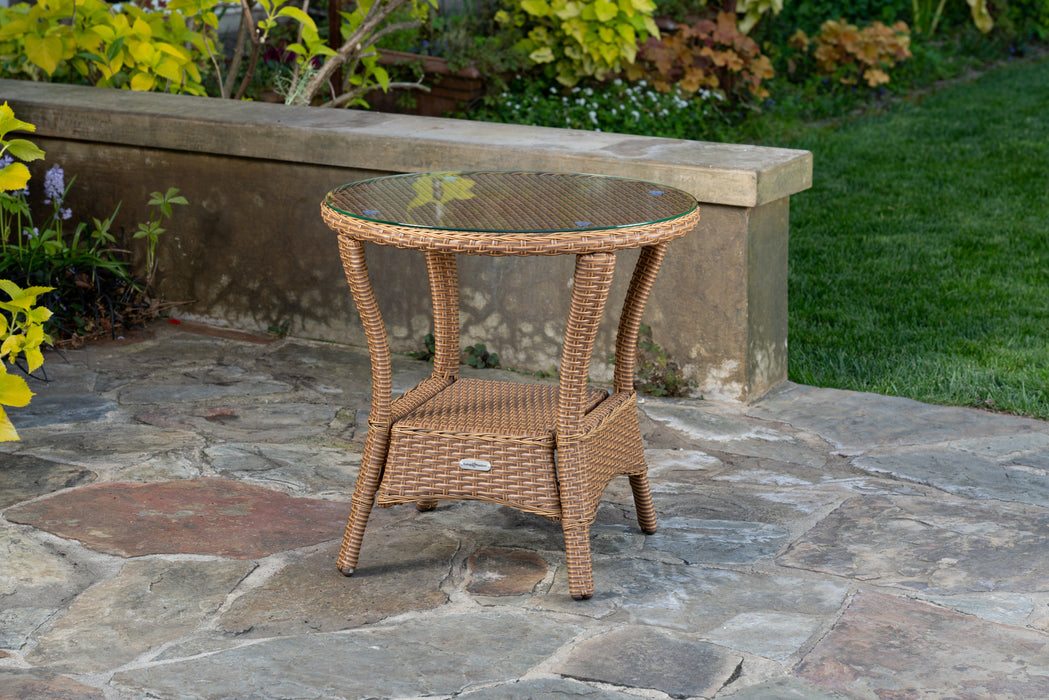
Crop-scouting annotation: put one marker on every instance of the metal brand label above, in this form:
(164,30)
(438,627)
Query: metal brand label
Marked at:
(475,465)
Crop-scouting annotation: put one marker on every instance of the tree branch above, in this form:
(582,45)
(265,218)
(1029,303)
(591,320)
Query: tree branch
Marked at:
(238,54)
(353,47)
(360,92)
(256,47)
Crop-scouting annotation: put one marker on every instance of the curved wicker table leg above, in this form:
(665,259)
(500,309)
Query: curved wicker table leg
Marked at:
(363,498)
(645,271)
(444,293)
(356,268)
(593,277)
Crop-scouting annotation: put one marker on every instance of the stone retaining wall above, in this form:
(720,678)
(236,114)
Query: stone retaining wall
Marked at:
(252,251)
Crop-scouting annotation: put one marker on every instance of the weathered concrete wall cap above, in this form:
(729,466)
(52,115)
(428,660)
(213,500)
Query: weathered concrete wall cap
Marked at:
(716,173)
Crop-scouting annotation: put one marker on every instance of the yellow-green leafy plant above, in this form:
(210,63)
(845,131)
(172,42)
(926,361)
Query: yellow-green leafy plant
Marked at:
(93,42)
(750,12)
(15,175)
(847,53)
(21,320)
(125,46)
(582,38)
(21,335)
(708,55)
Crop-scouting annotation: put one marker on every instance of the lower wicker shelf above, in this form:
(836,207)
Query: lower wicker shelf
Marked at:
(496,441)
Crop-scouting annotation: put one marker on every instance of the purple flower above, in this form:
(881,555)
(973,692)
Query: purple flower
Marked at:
(67,214)
(54,184)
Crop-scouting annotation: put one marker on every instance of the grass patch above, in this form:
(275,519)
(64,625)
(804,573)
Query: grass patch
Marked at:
(919,261)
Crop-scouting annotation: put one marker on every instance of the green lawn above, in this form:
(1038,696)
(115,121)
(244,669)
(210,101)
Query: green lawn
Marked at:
(919,262)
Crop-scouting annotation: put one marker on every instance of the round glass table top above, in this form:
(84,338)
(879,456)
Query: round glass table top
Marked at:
(509,202)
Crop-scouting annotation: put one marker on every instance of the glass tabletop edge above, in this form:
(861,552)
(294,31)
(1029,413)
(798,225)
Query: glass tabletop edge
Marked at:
(389,221)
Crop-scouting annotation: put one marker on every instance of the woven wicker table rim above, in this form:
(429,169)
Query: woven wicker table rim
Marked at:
(510,213)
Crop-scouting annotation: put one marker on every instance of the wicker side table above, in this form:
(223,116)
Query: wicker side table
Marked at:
(541,449)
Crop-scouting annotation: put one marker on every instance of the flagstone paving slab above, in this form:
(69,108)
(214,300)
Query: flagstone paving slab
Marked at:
(854,421)
(930,545)
(773,635)
(1018,447)
(963,474)
(643,657)
(17,625)
(19,683)
(54,408)
(270,423)
(37,579)
(337,371)
(301,468)
(429,656)
(205,516)
(692,598)
(41,572)
(490,525)
(737,434)
(718,502)
(104,446)
(210,384)
(27,477)
(150,602)
(169,351)
(546,688)
(697,541)
(404,574)
(782,689)
(1006,608)
(504,572)
(889,647)
(1037,461)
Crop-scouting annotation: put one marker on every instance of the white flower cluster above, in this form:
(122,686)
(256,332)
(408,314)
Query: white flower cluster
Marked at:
(615,106)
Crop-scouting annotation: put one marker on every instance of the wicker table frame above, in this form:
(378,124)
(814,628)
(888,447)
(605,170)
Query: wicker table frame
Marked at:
(541,449)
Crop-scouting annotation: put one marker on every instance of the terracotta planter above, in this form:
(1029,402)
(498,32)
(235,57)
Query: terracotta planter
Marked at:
(449,90)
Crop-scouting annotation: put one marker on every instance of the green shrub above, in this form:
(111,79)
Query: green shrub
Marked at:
(750,11)
(808,15)
(575,39)
(478,356)
(124,46)
(616,106)
(1026,17)
(94,44)
(657,374)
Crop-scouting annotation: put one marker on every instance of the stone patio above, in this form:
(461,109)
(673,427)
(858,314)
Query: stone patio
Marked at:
(171,517)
